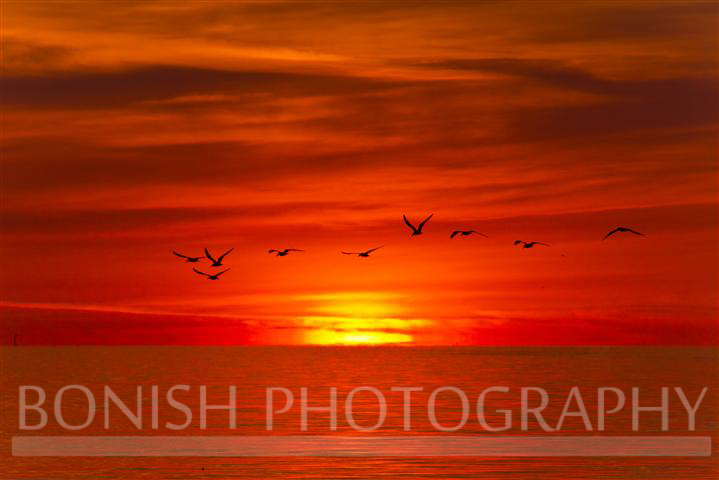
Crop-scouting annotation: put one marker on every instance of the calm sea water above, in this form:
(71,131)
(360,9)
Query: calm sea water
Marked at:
(253,369)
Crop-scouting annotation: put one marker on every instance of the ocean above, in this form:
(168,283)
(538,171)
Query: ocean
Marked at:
(442,374)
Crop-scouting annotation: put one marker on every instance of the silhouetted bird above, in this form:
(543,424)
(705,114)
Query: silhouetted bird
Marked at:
(282,253)
(621,230)
(464,233)
(188,259)
(215,276)
(362,254)
(529,244)
(418,230)
(217,262)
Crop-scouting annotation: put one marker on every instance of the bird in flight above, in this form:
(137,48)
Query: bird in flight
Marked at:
(464,233)
(529,244)
(282,253)
(215,276)
(362,254)
(217,262)
(417,230)
(188,259)
(621,230)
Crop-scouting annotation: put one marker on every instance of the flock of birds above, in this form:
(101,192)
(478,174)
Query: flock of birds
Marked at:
(217,261)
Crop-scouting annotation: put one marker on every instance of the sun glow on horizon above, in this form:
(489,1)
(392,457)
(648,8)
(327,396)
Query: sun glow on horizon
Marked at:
(351,318)
(359,337)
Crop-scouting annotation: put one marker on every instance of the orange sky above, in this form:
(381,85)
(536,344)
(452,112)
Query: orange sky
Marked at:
(130,129)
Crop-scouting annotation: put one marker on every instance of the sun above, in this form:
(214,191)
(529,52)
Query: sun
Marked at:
(358,337)
(366,318)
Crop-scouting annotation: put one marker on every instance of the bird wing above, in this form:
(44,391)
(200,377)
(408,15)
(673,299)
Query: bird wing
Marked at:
(517,242)
(350,253)
(218,274)
(180,255)
(610,233)
(454,233)
(376,248)
(272,250)
(425,221)
(408,224)
(634,231)
(224,254)
(201,273)
(207,254)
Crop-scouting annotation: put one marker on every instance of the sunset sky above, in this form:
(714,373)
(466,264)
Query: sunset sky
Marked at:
(131,129)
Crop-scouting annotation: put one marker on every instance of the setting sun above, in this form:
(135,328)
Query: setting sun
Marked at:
(333,337)
(353,318)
